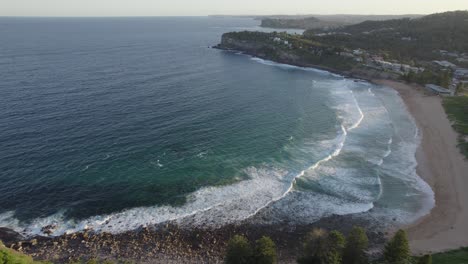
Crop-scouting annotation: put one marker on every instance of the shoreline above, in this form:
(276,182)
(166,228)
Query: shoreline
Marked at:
(170,243)
(443,167)
(440,164)
(442,229)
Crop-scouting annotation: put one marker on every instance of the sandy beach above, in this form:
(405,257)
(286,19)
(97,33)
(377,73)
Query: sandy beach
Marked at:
(442,166)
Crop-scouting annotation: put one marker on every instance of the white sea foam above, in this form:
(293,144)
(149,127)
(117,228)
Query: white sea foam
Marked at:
(271,188)
(207,207)
(400,169)
(288,66)
(211,206)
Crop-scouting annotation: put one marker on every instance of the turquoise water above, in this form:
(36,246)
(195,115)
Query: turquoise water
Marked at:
(113,123)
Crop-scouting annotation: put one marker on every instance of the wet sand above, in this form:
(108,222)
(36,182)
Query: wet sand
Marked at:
(443,167)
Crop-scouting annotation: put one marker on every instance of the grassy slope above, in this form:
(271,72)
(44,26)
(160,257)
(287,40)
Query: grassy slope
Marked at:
(457,111)
(10,256)
(459,256)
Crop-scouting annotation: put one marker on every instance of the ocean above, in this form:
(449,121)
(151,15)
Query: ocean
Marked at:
(117,123)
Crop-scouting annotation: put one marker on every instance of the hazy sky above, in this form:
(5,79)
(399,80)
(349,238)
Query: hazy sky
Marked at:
(207,7)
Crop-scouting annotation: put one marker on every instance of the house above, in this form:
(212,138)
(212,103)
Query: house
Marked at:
(438,89)
(461,73)
(358,52)
(347,54)
(397,67)
(445,64)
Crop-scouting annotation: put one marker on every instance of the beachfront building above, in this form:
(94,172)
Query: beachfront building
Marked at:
(439,90)
(397,67)
(461,73)
(445,64)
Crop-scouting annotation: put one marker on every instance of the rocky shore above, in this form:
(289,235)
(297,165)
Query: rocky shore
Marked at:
(170,243)
(313,57)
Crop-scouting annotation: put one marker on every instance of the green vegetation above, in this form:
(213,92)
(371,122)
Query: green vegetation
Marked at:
(287,48)
(415,42)
(430,77)
(97,261)
(324,21)
(456,108)
(356,246)
(427,259)
(323,247)
(265,251)
(397,250)
(404,39)
(239,251)
(451,257)
(10,256)
(299,23)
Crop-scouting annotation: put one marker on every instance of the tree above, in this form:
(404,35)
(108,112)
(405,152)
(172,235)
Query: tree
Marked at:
(459,88)
(265,251)
(323,248)
(410,77)
(445,78)
(336,244)
(427,259)
(238,251)
(397,250)
(356,246)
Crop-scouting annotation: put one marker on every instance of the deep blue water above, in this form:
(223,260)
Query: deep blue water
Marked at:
(119,122)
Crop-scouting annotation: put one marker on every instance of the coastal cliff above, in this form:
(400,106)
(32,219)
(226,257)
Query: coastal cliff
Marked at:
(295,50)
(285,48)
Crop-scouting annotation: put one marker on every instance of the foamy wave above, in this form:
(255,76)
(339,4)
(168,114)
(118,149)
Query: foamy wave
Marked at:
(308,207)
(272,190)
(399,170)
(360,113)
(207,207)
(288,66)
(211,206)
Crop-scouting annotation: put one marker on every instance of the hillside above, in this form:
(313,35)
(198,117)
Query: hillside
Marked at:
(301,23)
(324,22)
(410,38)
(285,48)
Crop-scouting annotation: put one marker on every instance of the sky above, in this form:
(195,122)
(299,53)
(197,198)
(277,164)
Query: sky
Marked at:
(227,7)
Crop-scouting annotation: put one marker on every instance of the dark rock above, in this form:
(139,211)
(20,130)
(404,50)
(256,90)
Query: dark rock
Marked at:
(48,229)
(8,236)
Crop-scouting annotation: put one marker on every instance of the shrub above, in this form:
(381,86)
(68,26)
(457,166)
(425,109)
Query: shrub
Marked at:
(265,251)
(336,245)
(238,251)
(356,246)
(397,249)
(427,259)
(313,247)
(323,248)
(92,261)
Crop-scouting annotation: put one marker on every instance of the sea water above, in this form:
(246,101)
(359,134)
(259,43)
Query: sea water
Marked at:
(117,123)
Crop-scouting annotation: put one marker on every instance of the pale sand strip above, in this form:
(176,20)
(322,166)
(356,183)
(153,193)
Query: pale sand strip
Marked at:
(442,166)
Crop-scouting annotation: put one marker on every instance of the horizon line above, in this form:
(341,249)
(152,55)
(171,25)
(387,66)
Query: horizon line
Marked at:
(214,15)
(225,15)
